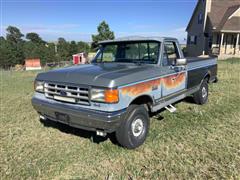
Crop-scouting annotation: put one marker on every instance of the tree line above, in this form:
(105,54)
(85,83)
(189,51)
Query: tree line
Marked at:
(16,47)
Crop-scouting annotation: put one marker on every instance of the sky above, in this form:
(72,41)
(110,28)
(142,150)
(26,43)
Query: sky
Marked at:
(78,20)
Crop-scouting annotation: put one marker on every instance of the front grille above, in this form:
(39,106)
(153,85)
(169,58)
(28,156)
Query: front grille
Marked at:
(67,93)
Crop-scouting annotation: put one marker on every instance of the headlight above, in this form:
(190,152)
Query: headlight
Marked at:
(104,95)
(39,86)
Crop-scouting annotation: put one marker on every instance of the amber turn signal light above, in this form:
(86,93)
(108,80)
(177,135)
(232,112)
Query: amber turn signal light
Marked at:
(111,96)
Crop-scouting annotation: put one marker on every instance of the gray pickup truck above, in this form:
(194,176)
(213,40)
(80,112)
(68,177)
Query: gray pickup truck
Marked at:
(128,79)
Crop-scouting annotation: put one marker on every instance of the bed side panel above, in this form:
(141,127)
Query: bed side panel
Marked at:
(198,69)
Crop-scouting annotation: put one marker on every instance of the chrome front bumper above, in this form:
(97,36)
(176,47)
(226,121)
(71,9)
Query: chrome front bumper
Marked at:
(79,117)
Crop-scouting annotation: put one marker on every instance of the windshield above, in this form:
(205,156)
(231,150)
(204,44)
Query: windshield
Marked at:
(129,52)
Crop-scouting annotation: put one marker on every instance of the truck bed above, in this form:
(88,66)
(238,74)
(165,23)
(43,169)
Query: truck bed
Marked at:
(200,62)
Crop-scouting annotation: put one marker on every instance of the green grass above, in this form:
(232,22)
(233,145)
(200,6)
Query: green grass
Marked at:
(195,142)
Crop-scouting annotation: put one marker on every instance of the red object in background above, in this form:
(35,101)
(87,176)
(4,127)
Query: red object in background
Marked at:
(32,64)
(80,58)
(76,59)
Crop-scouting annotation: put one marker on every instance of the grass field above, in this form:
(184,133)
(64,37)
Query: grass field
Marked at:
(195,142)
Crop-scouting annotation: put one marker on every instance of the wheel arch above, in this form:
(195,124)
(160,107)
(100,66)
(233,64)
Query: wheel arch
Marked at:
(143,99)
(207,76)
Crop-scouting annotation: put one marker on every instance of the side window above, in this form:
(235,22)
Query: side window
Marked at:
(170,53)
(192,40)
(200,18)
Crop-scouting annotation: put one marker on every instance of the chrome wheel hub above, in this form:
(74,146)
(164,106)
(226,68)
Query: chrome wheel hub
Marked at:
(137,127)
(204,92)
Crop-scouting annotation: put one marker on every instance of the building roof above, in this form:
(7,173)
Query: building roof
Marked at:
(138,38)
(232,24)
(221,9)
(222,21)
(219,15)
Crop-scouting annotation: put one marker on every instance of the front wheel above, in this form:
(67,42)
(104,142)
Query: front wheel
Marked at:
(201,96)
(134,128)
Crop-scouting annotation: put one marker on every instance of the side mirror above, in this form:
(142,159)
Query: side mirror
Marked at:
(181,62)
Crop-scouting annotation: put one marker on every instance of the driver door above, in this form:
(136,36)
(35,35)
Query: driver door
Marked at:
(175,79)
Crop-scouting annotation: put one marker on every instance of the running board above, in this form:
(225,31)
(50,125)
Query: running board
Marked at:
(170,108)
(162,103)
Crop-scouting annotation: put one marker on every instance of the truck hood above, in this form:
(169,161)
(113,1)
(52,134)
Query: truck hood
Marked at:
(101,75)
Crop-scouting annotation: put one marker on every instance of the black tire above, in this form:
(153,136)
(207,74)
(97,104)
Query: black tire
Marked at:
(134,128)
(201,96)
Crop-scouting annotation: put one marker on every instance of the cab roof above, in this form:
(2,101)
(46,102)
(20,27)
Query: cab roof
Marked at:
(138,38)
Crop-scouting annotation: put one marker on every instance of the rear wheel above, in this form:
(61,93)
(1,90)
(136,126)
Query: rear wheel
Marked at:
(134,128)
(201,96)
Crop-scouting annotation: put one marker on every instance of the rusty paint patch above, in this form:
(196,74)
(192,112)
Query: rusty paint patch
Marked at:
(141,88)
(173,81)
(169,82)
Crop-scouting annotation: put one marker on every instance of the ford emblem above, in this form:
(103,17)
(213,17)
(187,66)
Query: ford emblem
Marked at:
(63,93)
